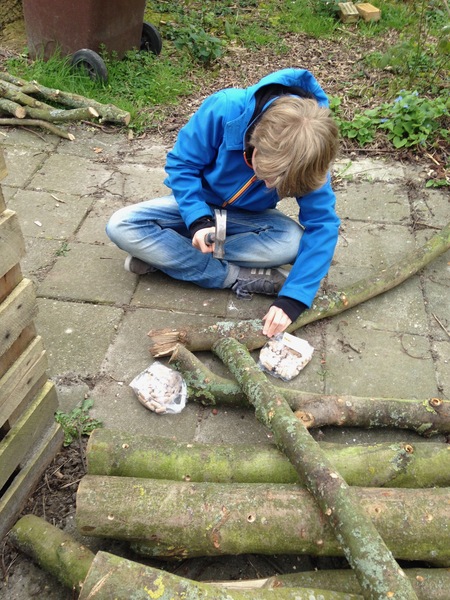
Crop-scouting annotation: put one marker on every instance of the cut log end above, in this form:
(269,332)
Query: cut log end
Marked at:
(164,341)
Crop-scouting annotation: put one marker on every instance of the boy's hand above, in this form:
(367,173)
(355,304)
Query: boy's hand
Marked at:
(275,321)
(198,241)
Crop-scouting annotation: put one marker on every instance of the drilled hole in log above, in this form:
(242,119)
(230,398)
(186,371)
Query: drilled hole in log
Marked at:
(435,401)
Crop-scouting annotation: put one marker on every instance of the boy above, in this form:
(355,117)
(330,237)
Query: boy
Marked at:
(243,151)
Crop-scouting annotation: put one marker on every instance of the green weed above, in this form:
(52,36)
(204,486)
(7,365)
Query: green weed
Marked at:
(78,422)
(410,120)
(63,249)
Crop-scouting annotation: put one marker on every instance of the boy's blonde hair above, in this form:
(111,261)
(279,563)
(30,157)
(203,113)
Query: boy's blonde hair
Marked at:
(296,141)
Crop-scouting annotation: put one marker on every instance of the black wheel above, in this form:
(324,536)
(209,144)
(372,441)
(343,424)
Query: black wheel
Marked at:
(151,39)
(92,63)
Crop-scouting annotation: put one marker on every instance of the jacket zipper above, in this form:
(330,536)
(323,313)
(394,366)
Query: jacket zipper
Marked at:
(239,193)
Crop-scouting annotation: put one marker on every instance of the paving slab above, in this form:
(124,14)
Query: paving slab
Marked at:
(367,169)
(49,216)
(377,363)
(76,335)
(70,174)
(372,245)
(22,165)
(142,182)
(39,258)
(117,407)
(369,201)
(157,290)
(89,273)
(92,229)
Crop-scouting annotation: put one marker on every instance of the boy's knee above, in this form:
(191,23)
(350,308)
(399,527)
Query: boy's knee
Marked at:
(114,224)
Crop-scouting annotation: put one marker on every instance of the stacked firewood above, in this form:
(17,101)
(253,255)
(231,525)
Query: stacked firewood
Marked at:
(28,103)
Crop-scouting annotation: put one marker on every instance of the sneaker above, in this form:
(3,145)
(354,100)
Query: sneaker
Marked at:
(259,281)
(137,266)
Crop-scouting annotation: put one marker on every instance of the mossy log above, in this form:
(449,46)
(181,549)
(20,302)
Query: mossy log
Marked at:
(365,549)
(399,464)
(163,341)
(53,550)
(170,519)
(429,584)
(426,416)
(107,576)
(114,577)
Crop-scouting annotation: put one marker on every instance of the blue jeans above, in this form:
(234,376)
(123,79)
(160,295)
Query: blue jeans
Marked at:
(154,232)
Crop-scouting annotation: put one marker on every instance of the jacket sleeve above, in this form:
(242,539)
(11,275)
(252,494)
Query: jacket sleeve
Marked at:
(317,245)
(196,150)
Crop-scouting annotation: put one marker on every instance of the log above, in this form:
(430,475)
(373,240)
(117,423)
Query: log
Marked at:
(114,577)
(8,122)
(107,576)
(163,341)
(14,93)
(426,417)
(429,584)
(170,519)
(107,112)
(57,115)
(124,454)
(53,550)
(376,569)
(12,108)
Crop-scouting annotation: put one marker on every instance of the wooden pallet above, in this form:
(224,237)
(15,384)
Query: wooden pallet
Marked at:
(29,436)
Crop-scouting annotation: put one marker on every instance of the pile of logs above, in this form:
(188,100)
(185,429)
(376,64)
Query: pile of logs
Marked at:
(28,103)
(374,505)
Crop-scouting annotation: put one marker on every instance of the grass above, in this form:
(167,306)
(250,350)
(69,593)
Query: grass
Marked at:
(197,34)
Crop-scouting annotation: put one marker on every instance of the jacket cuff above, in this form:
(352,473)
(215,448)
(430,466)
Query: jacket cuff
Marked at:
(201,223)
(293,308)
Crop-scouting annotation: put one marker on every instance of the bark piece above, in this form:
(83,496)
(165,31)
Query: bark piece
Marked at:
(170,519)
(163,341)
(376,569)
(426,417)
(123,454)
(53,550)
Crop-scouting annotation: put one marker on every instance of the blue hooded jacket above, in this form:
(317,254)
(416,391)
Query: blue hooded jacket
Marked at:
(206,168)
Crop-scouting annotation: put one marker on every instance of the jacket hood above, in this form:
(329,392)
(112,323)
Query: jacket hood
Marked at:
(302,78)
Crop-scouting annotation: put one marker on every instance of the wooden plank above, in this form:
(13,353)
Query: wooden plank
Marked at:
(27,399)
(16,313)
(3,170)
(17,348)
(12,244)
(9,281)
(21,378)
(28,430)
(14,499)
(2,201)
